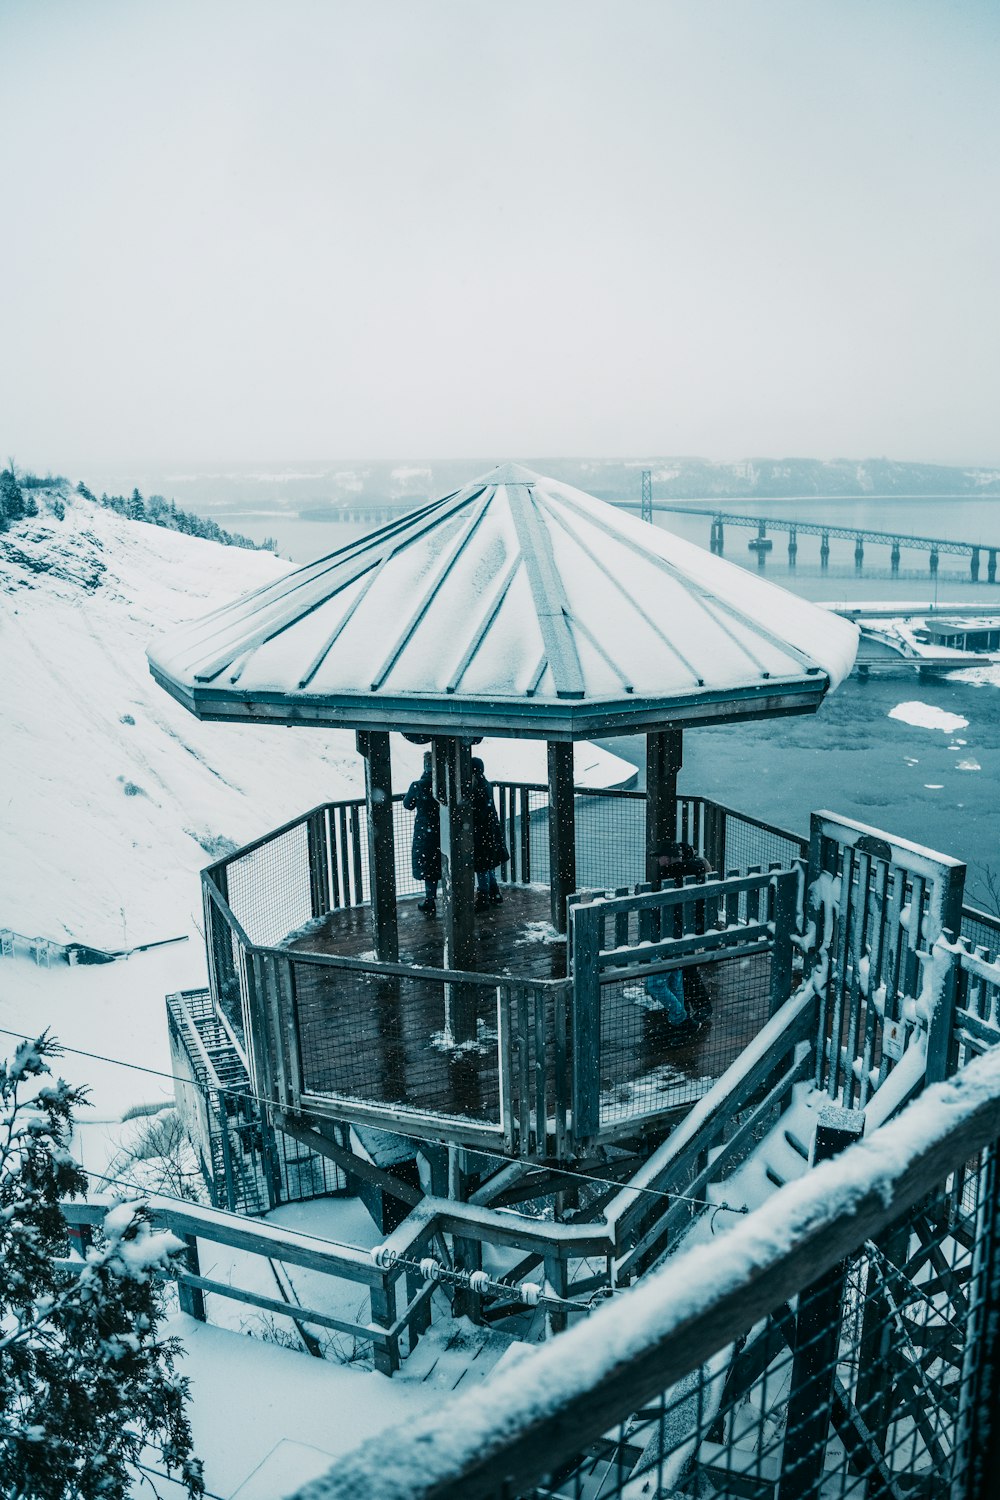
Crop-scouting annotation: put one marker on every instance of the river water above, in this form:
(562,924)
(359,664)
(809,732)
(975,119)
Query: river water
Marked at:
(939,789)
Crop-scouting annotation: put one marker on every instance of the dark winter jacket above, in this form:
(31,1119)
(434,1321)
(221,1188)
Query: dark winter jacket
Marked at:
(426,853)
(488,847)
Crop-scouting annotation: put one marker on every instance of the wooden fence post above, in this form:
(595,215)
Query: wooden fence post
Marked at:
(785,918)
(586,1004)
(383,1305)
(941,1025)
(817,1338)
(191,1298)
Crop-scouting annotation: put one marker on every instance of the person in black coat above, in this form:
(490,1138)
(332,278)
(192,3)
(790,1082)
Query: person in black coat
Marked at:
(488,847)
(425,853)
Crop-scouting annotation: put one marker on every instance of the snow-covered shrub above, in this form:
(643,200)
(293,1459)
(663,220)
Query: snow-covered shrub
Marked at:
(85,1383)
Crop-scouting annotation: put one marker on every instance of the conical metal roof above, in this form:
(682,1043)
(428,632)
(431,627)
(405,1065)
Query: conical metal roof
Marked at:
(517,605)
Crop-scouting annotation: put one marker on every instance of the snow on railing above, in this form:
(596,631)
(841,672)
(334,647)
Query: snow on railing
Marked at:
(528,1420)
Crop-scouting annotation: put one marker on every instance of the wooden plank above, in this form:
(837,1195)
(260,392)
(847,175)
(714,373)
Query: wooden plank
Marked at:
(345,867)
(524,1070)
(586,1023)
(540,1031)
(357,868)
(838,968)
(560,1070)
(323,1142)
(292,1310)
(709,945)
(525,797)
(505,1003)
(785,917)
(254,1236)
(857,949)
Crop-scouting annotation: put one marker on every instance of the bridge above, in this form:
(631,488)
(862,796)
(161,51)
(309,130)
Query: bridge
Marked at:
(896,541)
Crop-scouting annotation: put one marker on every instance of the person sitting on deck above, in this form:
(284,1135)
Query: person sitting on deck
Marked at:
(681,994)
(488,847)
(425,853)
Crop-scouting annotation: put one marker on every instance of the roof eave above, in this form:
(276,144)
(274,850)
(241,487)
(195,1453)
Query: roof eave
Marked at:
(566,719)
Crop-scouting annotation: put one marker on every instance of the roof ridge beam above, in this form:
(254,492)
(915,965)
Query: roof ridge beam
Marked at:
(551,604)
(630,599)
(702,597)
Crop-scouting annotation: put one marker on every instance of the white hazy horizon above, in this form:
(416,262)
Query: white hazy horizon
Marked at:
(455,227)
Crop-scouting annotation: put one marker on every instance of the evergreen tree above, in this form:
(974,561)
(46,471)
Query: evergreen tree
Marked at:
(85,1383)
(11,498)
(82,489)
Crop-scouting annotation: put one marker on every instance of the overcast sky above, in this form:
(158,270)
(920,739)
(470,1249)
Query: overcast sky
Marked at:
(446,228)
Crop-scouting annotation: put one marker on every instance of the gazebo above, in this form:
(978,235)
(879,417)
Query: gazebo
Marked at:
(515,606)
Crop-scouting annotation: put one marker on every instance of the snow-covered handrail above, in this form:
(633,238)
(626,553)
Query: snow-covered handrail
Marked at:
(534,1416)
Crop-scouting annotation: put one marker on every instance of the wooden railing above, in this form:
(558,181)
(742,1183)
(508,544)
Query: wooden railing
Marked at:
(193,1223)
(675,1355)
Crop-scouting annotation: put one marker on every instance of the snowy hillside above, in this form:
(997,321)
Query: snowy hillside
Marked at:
(114,796)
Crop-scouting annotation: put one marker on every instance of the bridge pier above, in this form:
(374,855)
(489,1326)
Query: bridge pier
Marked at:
(934,562)
(974,565)
(991,565)
(793,547)
(859,553)
(894,556)
(824,551)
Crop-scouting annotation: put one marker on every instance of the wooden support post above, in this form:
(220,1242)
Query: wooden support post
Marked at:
(191,1298)
(664,755)
(562,831)
(556,1275)
(383,1305)
(586,1026)
(374,746)
(453,789)
(817,1339)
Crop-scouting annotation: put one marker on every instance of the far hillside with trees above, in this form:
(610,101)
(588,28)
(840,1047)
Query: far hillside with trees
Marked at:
(158,511)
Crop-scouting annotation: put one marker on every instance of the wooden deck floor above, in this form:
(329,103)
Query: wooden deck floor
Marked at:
(387,1041)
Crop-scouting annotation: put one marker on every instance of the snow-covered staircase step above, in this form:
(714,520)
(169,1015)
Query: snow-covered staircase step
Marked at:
(451,1353)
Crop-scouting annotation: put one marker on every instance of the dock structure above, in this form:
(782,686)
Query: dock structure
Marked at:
(895,541)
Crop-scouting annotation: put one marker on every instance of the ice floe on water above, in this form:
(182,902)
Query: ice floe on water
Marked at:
(978,676)
(968,765)
(933,786)
(926,716)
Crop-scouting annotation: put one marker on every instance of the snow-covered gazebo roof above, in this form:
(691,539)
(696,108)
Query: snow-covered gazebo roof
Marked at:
(517,605)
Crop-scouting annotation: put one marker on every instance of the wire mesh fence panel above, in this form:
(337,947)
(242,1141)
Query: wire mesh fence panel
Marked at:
(225,954)
(269,887)
(610,840)
(649,1064)
(863,1386)
(981,929)
(751,844)
(402,1042)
